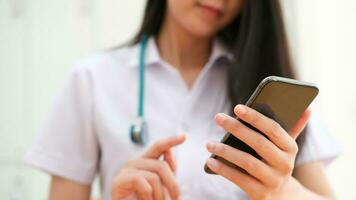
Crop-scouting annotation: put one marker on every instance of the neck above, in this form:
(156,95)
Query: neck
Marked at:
(182,49)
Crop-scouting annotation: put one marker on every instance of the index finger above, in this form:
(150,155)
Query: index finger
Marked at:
(168,157)
(300,124)
(266,125)
(163,145)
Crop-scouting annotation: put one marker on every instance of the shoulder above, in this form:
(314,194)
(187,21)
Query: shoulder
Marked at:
(106,62)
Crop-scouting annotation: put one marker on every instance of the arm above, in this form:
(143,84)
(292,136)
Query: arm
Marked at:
(313,179)
(62,188)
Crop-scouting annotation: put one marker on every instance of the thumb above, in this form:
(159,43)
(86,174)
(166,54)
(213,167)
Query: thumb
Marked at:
(300,124)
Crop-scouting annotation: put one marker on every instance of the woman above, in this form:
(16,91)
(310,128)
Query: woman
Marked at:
(203,57)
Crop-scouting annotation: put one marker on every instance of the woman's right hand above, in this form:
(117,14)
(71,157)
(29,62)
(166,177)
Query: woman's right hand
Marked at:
(148,177)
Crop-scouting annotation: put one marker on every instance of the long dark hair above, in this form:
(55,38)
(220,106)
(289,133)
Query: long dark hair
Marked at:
(256,37)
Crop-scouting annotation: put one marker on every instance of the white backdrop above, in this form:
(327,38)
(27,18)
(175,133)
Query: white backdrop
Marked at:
(40,40)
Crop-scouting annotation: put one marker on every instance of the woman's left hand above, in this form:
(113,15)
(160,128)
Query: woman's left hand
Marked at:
(270,177)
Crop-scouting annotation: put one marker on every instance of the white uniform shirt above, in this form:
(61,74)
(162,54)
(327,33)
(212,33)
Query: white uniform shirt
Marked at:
(87,130)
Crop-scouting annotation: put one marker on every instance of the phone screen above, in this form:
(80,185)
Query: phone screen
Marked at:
(283,100)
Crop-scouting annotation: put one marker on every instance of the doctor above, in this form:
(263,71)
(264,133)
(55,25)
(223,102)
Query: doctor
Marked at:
(145,117)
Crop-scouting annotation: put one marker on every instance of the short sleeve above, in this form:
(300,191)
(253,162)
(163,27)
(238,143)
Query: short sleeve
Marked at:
(318,143)
(67,145)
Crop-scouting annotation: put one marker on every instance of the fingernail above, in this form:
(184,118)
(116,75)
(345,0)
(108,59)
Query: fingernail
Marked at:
(210,145)
(219,118)
(212,163)
(241,110)
(218,147)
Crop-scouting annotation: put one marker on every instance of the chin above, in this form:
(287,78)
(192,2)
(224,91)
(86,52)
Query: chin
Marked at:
(202,31)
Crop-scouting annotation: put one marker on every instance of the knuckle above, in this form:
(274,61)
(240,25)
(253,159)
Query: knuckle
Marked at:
(157,146)
(235,179)
(275,130)
(276,127)
(221,149)
(248,162)
(137,178)
(261,142)
(287,168)
(275,184)
(235,128)
(162,166)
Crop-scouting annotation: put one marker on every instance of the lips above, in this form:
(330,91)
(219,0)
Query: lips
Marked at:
(211,10)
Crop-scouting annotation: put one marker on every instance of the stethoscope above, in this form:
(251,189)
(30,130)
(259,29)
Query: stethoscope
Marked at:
(138,130)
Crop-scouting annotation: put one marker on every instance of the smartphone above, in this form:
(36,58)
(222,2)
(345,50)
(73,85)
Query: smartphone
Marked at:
(281,99)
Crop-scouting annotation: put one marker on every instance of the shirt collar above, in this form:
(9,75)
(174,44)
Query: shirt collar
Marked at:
(220,51)
(152,55)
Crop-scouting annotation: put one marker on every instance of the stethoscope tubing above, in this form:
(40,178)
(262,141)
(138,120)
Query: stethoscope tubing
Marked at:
(138,130)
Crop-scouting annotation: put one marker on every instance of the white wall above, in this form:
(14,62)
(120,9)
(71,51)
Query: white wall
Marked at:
(325,52)
(40,40)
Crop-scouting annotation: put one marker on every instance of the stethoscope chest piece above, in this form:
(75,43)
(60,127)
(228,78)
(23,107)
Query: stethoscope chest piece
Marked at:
(138,132)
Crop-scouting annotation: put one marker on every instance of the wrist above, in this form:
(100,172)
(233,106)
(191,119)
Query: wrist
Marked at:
(299,191)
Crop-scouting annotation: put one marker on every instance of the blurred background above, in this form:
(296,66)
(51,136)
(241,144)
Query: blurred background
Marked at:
(40,40)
